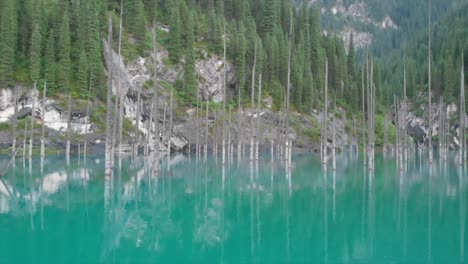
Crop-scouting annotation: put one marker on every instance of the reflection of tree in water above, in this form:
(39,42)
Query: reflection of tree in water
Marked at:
(209,224)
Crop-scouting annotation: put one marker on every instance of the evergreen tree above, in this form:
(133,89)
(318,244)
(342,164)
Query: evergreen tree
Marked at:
(50,63)
(8,31)
(175,40)
(270,17)
(35,54)
(190,79)
(63,51)
(134,17)
(351,59)
(82,75)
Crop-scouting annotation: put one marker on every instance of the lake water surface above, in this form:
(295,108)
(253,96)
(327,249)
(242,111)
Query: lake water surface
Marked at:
(198,212)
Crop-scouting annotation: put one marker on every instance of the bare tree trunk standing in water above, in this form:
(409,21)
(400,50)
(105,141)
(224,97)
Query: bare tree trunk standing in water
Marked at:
(462,114)
(325,119)
(224,94)
(44,92)
(364,141)
(229,134)
(88,106)
(170,123)
(429,61)
(120,93)
(239,134)
(334,136)
(257,143)
(32,121)
(288,91)
(156,99)
(206,132)
(136,138)
(109,116)
(69,128)
(405,110)
(252,103)
(15,124)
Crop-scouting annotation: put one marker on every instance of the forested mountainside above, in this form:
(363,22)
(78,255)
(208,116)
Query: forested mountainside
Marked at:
(449,39)
(60,42)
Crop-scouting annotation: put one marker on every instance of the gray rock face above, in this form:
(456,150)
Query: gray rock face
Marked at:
(211,71)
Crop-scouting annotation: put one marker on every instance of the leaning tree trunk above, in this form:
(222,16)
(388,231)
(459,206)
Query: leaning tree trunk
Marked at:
(109,116)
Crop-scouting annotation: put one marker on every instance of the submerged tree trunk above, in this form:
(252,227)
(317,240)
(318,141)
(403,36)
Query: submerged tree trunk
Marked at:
(109,116)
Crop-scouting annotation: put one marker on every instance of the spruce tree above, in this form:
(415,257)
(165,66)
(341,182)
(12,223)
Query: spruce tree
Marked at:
(8,30)
(175,36)
(63,51)
(35,54)
(50,65)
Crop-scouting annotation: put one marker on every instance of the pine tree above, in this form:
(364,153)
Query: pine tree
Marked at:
(82,75)
(8,30)
(190,79)
(134,17)
(270,17)
(351,59)
(175,40)
(35,53)
(63,51)
(50,65)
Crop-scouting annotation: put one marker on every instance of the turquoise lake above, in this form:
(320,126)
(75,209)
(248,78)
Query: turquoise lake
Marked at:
(198,212)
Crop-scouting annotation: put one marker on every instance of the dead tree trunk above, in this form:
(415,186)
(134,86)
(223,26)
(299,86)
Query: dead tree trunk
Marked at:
(120,92)
(462,114)
(69,128)
(288,90)
(224,100)
(32,121)
(170,122)
(252,102)
(109,118)
(44,94)
(88,106)
(364,141)
(156,99)
(325,119)
(430,87)
(136,142)
(206,132)
(257,143)
(15,122)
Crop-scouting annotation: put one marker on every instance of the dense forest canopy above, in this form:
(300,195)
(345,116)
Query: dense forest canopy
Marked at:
(61,42)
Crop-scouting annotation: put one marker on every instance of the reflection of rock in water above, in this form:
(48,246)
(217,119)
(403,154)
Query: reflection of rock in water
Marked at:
(210,231)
